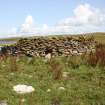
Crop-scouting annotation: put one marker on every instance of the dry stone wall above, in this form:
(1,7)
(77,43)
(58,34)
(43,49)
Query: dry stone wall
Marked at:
(56,46)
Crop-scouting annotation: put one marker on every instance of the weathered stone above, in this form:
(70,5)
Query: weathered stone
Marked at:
(3,102)
(48,56)
(53,45)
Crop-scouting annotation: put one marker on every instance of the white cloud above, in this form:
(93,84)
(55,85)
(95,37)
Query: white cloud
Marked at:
(29,20)
(85,18)
(84,15)
(27,27)
(45,26)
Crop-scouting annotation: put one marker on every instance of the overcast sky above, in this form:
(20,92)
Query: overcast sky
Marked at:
(45,17)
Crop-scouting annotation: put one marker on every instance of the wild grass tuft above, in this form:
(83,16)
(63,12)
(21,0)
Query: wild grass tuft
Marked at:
(56,68)
(74,61)
(97,58)
(13,63)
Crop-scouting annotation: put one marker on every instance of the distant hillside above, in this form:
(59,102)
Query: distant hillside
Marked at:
(99,36)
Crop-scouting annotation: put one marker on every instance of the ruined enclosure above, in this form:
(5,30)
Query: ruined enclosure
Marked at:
(56,46)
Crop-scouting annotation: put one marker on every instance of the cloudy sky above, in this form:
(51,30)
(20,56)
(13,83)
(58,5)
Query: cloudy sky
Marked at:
(46,17)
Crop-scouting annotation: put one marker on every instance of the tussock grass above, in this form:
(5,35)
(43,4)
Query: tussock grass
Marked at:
(85,85)
(97,58)
(74,61)
(56,68)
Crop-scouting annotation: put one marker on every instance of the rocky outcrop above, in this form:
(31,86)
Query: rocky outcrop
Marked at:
(53,46)
(56,46)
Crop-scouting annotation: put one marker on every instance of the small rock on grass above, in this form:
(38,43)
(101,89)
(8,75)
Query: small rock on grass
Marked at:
(3,102)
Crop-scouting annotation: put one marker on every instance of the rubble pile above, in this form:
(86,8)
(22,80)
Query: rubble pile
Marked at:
(56,46)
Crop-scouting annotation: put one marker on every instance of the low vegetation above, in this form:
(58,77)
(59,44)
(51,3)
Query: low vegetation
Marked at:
(83,84)
(97,58)
(66,80)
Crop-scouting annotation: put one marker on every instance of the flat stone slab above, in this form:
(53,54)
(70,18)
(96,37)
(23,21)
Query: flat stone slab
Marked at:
(3,103)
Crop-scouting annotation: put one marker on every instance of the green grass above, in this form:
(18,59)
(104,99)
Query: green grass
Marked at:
(98,35)
(84,86)
(6,44)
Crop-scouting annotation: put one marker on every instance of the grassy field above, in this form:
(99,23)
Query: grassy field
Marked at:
(61,81)
(100,37)
(83,85)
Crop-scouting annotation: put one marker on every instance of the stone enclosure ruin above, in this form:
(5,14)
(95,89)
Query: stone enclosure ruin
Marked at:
(56,46)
